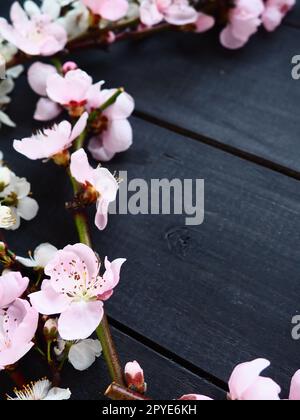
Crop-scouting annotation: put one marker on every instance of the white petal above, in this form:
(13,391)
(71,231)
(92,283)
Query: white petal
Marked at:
(83,354)
(58,394)
(44,253)
(4,119)
(27,262)
(27,208)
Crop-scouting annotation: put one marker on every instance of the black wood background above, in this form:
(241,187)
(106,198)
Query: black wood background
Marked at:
(193,302)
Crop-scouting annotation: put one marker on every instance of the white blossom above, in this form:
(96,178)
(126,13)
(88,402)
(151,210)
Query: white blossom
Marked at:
(41,391)
(82,353)
(6,87)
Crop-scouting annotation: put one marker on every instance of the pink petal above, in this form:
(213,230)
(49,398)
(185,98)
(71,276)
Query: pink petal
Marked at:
(111,277)
(228,40)
(12,286)
(80,320)
(149,13)
(38,75)
(101,218)
(47,301)
(180,13)
(244,376)
(18,16)
(122,108)
(204,23)
(46,110)
(27,318)
(80,167)
(80,126)
(118,137)
(295,387)
(86,254)
(98,151)
(73,87)
(113,9)
(263,389)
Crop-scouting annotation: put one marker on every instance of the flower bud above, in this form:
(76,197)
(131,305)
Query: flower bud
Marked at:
(134,376)
(50,329)
(69,66)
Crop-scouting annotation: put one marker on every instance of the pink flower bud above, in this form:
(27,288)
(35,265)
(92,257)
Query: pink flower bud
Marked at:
(134,376)
(69,66)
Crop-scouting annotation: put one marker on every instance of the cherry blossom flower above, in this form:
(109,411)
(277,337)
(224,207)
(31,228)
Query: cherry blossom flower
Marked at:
(134,376)
(115,132)
(16,196)
(100,179)
(73,90)
(76,290)
(108,9)
(18,324)
(194,397)
(81,354)
(34,33)
(51,142)
(275,11)
(12,286)
(42,255)
(244,20)
(38,74)
(246,383)
(41,390)
(175,12)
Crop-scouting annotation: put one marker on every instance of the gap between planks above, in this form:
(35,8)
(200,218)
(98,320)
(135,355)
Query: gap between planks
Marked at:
(162,351)
(250,157)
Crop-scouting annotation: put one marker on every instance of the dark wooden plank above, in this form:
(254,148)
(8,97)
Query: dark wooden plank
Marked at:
(245,99)
(166,380)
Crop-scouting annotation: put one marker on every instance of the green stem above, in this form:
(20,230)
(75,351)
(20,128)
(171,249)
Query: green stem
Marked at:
(103,331)
(49,342)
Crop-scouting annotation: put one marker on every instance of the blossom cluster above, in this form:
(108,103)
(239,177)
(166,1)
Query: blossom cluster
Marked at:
(72,293)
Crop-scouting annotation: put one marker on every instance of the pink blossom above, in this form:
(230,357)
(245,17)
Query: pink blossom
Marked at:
(73,90)
(38,75)
(134,376)
(115,130)
(12,286)
(295,387)
(108,9)
(34,35)
(50,142)
(244,20)
(75,290)
(100,179)
(275,11)
(175,12)
(194,397)
(246,383)
(18,325)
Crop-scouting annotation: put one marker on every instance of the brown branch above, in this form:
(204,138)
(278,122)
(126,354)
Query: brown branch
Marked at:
(120,393)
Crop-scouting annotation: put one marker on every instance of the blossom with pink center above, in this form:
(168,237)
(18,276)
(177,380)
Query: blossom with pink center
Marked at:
(246,383)
(100,179)
(38,74)
(12,286)
(76,290)
(18,325)
(275,11)
(72,90)
(134,376)
(115,130)
(34,35)
(244,20)
(194,397)
(175,12)
(108,9)
(51,142)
